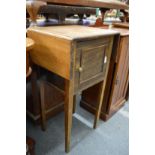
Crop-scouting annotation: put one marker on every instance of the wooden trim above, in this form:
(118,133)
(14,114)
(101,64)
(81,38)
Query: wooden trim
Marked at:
(120,52)
(103,86)
(50,112)
(91,3)
(68,113)
(43,109)
(103,116)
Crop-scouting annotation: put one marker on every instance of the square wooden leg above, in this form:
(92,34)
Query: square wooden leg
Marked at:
(68,113)
(74,104)
(35,95)
(43,110)
(99,106)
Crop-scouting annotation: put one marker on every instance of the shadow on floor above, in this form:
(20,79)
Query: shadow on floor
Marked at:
(110,138)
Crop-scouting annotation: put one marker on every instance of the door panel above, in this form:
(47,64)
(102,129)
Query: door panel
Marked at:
(121,73)
(91,62)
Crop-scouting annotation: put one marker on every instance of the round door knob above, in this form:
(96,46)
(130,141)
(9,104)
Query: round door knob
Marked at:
(80,69)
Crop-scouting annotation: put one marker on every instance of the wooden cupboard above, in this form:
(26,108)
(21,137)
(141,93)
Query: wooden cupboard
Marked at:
(54,94)
(81,55)
(116,87)
(117,83)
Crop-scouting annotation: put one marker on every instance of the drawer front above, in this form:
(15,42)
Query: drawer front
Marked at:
(91,62)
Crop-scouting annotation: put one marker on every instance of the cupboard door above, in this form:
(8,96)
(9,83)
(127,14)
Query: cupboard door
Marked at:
(121,74)
(91,63)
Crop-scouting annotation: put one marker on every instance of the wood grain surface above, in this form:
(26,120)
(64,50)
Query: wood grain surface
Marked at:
(58,49)
(118,80)
(53,45)
(72,32)
(29,44)
(114,4)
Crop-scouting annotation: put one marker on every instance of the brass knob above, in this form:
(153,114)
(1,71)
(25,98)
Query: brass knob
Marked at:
(80,69)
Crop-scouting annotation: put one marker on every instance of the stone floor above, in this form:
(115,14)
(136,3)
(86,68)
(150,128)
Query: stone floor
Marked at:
(110,138)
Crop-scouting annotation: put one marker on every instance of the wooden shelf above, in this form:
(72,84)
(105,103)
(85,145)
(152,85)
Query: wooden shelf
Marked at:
(111,4)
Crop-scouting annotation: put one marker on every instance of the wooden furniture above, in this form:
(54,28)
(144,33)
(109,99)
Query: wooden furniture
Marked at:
(54,94)
(30,143)
(124,26)
(46,91)
(79,6)
(60,12)
(29,46)
(110,4)
(104,5)
(78,54)
(117,83)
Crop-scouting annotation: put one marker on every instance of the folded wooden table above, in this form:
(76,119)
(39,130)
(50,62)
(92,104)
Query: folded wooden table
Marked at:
(78,54)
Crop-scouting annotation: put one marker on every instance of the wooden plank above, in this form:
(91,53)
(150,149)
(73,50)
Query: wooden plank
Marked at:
(74,104)
(121,25)
(62,9)
(72,32)
(111,4)
(116,97)
(43,109)
(125,69)
(102,90)
(29,44)
(68,113)
(52,48)
(122,31)
(51,53)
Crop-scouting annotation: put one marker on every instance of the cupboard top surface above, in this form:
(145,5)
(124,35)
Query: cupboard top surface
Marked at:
(72,32)
(122,31)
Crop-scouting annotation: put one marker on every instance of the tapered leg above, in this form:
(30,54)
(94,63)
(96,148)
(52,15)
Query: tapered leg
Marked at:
(99,106)
(43,110)
(74,104)
(68,113)
(35,94)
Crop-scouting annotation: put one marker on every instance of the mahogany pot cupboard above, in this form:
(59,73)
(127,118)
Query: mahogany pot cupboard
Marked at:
(54,102)
(118,79)
(78,59)
(80,55)
(116,88)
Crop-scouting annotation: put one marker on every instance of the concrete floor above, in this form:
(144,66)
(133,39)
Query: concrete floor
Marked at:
(110,138)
